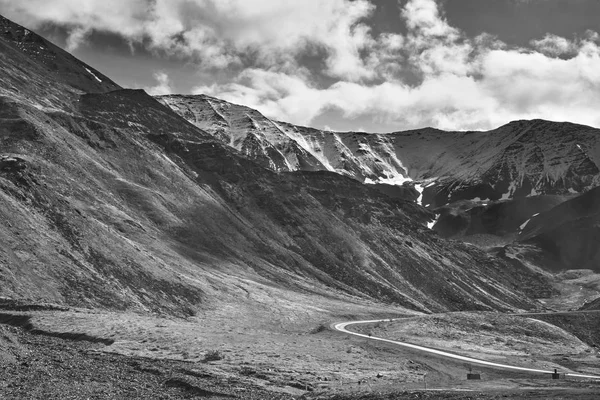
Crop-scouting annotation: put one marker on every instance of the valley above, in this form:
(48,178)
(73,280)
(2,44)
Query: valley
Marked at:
(197,248)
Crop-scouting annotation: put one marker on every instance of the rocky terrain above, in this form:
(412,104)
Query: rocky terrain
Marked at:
(203,249)
(53,368)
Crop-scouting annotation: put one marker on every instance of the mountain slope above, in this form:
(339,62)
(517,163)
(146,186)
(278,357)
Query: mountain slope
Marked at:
(519,159)
(503,219)
(246,130)
(569,232)
(60,65)
(113,200)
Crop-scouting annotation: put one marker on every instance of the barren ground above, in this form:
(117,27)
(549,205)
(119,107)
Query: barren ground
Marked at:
(286,356)
(576,287)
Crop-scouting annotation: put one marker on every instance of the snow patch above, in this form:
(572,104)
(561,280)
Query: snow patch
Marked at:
(524,224)
(420,189)
(364,147)
(432,223)
(511,190)
(134,124)
(91,73)
(391,179)
(313,148)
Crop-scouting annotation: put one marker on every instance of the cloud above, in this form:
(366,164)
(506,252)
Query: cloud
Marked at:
(163,85)
(218,33)
(554,45)
(432,75)
(76,38)
(463,83)
(425,20)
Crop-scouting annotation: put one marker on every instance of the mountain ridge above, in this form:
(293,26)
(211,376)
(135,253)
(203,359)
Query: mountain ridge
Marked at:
(515,160)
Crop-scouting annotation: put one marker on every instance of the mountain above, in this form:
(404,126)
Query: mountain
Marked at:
(246,130)
(482,187)
(520,159)
(110,199)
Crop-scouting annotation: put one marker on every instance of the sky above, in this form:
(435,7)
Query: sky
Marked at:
(359,65)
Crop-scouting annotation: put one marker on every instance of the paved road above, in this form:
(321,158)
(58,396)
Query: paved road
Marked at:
(341,326)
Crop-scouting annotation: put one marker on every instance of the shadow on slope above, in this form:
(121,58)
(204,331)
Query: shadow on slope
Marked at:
(569,232)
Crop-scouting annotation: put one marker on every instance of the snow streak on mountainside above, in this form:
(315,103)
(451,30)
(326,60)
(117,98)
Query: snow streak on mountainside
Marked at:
(522,158)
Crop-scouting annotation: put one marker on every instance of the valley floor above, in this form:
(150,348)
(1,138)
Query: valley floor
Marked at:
(81,354)
(42,367)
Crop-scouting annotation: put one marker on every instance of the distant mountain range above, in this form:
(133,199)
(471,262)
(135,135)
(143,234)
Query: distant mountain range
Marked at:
(522,158)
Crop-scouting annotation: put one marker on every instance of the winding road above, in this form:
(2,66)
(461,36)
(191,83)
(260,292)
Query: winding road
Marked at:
(341,327)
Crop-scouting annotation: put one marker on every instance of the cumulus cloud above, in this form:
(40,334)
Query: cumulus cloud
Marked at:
(220,34)
(554,45)
(424,18)
(464,83)
(76,38)
(433,74)
(163,85)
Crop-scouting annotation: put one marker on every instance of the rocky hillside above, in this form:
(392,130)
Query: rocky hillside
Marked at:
(111,199)
(522,158)
(43,56)
(592,305)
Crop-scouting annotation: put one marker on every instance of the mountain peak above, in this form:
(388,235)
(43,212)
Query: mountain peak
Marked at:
(59,63)
(538,122)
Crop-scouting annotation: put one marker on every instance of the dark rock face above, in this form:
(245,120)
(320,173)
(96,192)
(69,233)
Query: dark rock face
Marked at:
(116,201)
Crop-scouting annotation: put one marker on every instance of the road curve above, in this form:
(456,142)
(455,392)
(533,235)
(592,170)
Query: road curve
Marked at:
(341,327)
